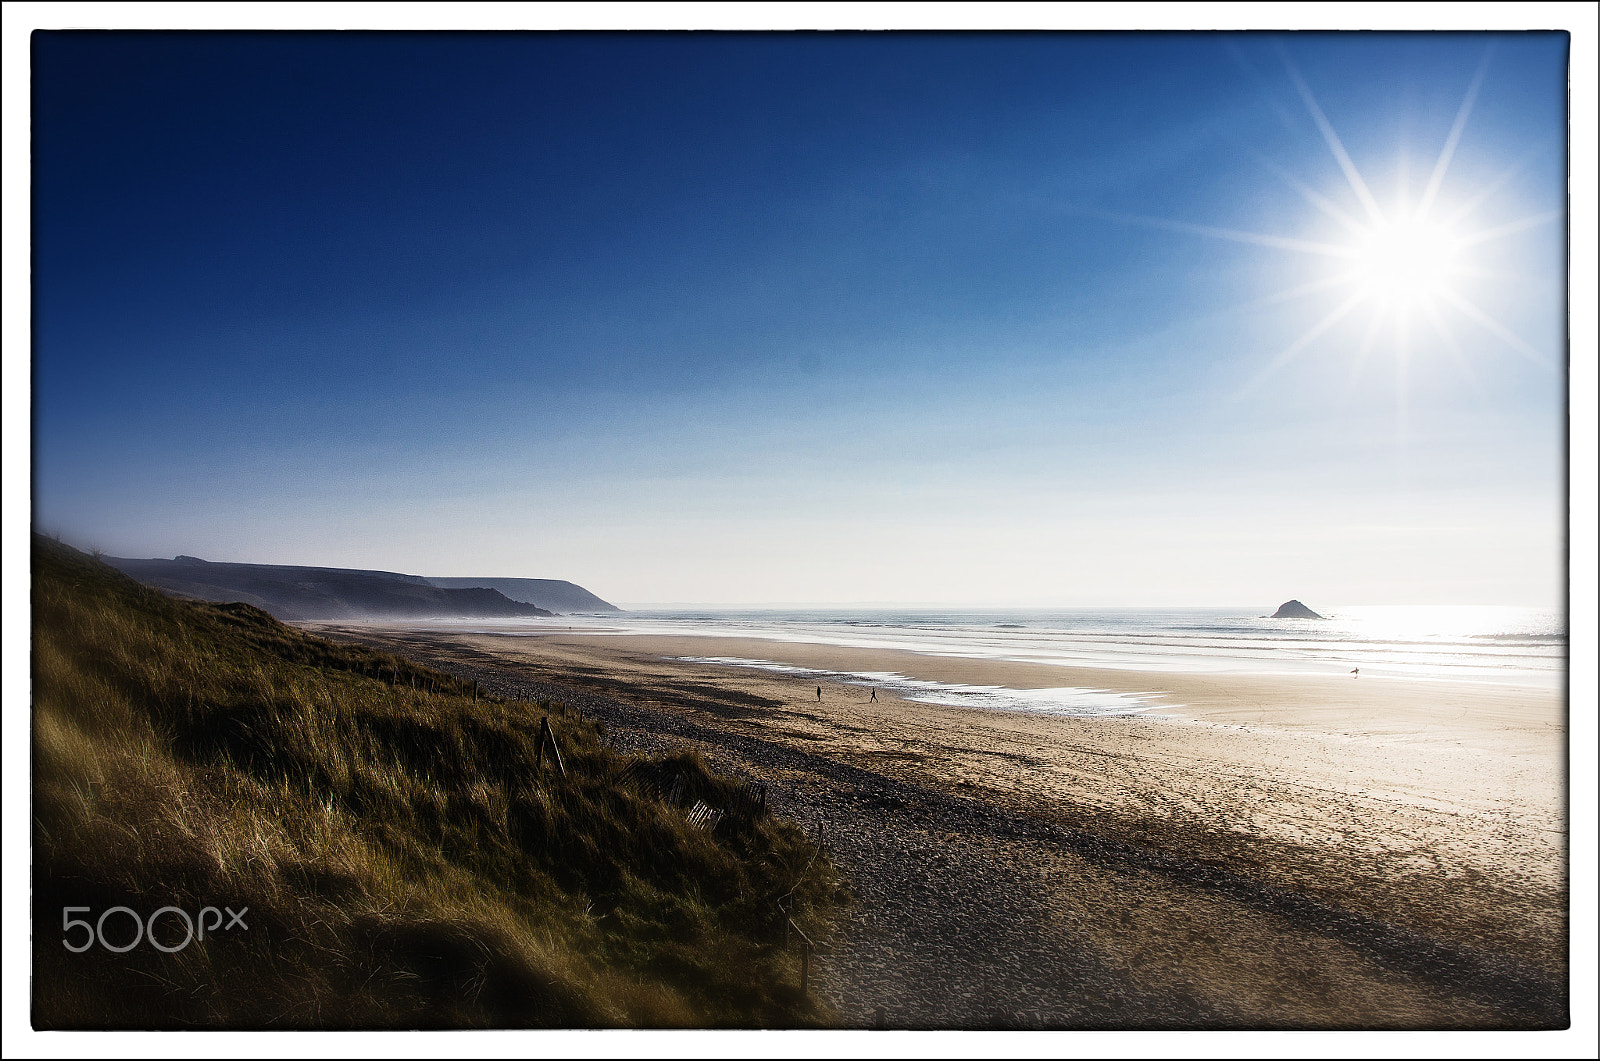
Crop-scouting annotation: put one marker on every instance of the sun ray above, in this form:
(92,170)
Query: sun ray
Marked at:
(1364,351)
(1458,355)
(1493,327)
(1484,272)
(1351,174)
(1285,117)
(1510,228)
(1402,186)
(1314,197)
(1447,153)
(1306,338)
(1402,389)
(1299,291)
(1500,181)
(1331,250)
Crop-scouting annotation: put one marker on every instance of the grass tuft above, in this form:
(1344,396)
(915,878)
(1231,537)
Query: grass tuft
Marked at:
(406,859)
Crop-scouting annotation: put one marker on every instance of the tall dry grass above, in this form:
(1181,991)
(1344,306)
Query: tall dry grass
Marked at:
(405,859)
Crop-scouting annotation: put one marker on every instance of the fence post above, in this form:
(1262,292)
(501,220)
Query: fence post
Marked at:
(548,736)
(805,950)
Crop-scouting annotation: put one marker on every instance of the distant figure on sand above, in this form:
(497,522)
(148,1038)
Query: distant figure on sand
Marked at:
(819,694)
(1357,672)
(874,695)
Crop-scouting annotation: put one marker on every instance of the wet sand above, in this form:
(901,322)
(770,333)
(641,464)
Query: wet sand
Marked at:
(1386,831)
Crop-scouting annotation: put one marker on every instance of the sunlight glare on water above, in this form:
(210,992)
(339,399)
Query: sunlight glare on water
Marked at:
(1505,645)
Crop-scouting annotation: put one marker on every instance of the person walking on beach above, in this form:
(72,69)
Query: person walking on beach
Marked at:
(819,694)
(874,695)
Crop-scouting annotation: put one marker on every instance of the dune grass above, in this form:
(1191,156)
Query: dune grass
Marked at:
(405,859)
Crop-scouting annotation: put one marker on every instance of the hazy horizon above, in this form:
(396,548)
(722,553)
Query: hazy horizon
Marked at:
(1010,320)
(977,605)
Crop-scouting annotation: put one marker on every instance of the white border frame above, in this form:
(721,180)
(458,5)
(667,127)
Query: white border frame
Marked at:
(1579,19)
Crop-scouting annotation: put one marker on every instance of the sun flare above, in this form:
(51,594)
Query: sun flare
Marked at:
(1402,266)
(1406,260)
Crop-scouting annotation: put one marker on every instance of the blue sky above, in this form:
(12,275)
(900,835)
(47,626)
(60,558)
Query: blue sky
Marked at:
(979,319)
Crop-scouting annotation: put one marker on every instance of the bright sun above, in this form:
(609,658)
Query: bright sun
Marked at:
(1402,265)
(1405,261)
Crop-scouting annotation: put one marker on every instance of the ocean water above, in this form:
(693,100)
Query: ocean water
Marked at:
(1060,700)
(1501,645)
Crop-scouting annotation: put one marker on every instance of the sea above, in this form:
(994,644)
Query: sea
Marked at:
(1479,644)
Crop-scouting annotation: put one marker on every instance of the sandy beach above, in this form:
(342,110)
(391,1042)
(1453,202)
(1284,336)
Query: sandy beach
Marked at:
(1289,851)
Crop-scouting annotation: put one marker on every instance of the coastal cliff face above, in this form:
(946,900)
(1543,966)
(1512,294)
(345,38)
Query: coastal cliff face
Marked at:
(556,594)
(301,593)
(1294,610)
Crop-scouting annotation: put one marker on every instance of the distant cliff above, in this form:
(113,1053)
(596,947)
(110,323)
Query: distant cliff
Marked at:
(321,592)
(550,593)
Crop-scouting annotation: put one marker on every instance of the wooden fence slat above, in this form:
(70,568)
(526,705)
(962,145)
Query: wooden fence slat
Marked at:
(548,736)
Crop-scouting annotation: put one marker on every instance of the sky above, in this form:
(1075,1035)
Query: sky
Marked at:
(976,319)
